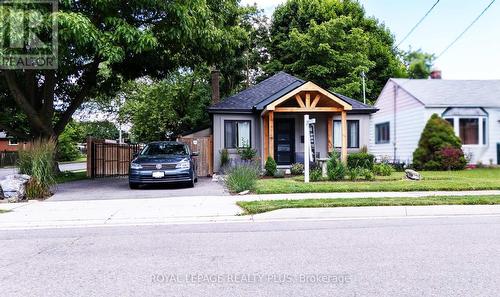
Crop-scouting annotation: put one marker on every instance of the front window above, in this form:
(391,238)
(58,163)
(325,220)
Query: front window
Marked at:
(382,133)
(236,134)
(153,149)
(469,131)
(12,141)
(352,134)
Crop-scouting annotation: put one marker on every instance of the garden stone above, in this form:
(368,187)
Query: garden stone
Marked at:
(244,192)
(14,187)
(412,174)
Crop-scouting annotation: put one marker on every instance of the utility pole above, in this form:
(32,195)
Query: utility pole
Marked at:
(364,87)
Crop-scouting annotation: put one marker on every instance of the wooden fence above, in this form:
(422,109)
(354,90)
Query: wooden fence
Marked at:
(204,147)
(8,158)
(106,159)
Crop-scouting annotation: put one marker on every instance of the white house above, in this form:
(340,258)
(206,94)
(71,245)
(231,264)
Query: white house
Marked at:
(405,105)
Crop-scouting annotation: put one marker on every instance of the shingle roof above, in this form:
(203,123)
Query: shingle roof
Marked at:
(454,93)
(247,99)
(267,91)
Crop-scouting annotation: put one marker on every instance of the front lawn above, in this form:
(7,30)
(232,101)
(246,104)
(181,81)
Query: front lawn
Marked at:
(477,179)
(69,176)
(255,207)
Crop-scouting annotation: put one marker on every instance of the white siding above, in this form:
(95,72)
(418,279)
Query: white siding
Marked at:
(407,119)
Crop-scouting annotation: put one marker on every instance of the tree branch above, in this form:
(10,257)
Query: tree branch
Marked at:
(23,103)
(12,132)
(89,81)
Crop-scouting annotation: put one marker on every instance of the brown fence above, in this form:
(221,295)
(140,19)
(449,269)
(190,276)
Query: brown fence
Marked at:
(8,158)
(109,159)
(204,147)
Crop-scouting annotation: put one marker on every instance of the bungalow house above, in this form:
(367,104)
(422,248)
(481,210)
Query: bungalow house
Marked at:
(270,118)
(472,107)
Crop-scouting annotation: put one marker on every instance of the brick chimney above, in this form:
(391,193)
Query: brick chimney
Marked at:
(436,74)
(215,86)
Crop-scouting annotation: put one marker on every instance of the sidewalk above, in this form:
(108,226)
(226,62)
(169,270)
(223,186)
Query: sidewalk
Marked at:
(175,210)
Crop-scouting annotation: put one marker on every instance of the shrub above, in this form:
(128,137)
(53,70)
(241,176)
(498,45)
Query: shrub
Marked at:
(242,177)
(37,159)
(315,174)
(279,174)
(363,160)
(270,167)
(224,158)
(452,158)
(383,169)
(368,174)
(66,148)
(334,167)
(247,153)
(354,173)
(297,169)
(437,135)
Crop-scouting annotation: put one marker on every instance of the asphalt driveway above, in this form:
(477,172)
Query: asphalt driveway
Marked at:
(117,188)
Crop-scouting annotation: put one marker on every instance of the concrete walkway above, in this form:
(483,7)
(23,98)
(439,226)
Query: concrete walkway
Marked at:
(203,209)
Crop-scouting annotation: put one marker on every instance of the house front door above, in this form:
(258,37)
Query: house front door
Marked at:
(284,142)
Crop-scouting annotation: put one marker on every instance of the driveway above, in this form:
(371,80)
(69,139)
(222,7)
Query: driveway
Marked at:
(117,188)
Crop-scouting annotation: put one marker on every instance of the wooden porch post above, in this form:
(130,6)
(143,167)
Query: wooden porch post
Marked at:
(271,134)
(266,137)
(344,137)
(329,129)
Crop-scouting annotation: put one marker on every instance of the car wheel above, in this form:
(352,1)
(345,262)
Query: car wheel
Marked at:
(192,181)
(133,186)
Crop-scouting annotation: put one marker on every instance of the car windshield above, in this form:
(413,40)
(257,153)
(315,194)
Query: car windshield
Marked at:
(164,149)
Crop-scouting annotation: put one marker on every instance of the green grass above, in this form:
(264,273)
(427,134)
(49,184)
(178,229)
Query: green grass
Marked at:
(4,210)
(477,179)
(79,160)
(68,176)
(255,207)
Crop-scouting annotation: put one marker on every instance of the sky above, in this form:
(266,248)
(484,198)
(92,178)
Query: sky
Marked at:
(475,56)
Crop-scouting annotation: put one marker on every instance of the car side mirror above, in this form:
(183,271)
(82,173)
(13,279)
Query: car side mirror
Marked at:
(195,154)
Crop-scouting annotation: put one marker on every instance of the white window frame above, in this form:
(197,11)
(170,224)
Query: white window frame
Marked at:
(13,144)
(483,137)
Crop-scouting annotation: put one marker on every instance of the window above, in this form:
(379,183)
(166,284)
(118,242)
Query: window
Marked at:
(12,141)
(451,121)
(236,134)
(352,134)
(485,136)
(469,131)
(382,133)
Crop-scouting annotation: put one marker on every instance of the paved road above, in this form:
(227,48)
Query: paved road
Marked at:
(62,167)
(390,257)
(117,188)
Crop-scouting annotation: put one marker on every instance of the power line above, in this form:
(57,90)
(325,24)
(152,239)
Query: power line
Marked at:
(466,29)
(418,24)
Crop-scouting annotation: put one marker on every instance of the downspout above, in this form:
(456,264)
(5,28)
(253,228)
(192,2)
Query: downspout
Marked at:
(396,87)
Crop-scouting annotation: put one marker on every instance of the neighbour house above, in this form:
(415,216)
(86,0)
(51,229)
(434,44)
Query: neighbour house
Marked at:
(472,107)
(269,117)
(8,143)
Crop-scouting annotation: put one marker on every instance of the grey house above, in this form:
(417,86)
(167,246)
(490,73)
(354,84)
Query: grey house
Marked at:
(270,118)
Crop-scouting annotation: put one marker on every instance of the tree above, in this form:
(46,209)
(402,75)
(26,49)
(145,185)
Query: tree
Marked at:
(104,43)
(97,129)
(439,148)
(331,42)
(164,109)
(418,64)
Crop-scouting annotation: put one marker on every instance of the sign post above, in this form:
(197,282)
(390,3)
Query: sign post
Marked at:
(307,143)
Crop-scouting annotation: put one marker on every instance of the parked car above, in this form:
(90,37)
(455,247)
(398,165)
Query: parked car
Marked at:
(163,162)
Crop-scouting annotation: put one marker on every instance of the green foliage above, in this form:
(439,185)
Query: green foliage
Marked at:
(368,174)
(418,63)
(36,159)
(160,110)
(97,129)
(242,177)
(224,158)
(354,173)
(66,147)
(437,139)
(247,153)
(363,160)
(297,169)
(335,168)
(315,174)
(383,169)
(270,166)
(332,42)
